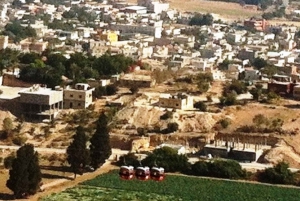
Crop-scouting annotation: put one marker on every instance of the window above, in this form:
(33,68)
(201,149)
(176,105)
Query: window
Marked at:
(71,95)
(79,104)
(177,104)
(80,96)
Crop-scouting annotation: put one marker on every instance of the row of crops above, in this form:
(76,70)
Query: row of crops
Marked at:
(110,187)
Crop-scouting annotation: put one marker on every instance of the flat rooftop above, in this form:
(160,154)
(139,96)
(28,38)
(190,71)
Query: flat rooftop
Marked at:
(9,93)
(136,77)
(135,8)
(37,90)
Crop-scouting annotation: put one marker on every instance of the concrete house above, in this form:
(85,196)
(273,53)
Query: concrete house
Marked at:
(39,103)
(79,97)
(138,80)
(179,101)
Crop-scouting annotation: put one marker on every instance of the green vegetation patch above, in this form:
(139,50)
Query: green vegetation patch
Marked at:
(179,187)
(86,193)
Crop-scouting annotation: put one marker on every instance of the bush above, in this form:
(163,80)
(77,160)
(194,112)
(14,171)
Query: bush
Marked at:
(280,174)
(229,99)
(128,159)
(172,127)
(219,168)
(19,140)
(224,122)
(236,86)
(200,168)
(167,158)
(271,97)
(105,91)
(166,115)
(201,106)
(141,131)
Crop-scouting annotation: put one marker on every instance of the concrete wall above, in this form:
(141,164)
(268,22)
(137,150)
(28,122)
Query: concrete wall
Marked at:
(138,83)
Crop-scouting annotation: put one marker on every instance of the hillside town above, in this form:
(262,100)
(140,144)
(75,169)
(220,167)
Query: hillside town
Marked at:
(158,77)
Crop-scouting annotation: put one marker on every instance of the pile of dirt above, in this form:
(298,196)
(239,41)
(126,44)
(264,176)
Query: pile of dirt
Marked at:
(283,152)
(188,121)
(6,114)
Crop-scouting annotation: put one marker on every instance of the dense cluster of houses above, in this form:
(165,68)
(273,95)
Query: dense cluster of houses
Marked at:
(150,30)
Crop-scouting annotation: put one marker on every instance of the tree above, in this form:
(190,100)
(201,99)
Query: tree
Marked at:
(172,127)
(168,158)
(228,99)
(201,106)
(260,120)
(203,81)
(236,86)
(256,92)
(128,159)
(269,70)
(100,148)
(224,64)
(77,152)
(259,63)
(25,176)
(280,174)
(111,89)
(200,19)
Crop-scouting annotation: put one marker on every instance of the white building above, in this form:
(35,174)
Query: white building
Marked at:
(179,148)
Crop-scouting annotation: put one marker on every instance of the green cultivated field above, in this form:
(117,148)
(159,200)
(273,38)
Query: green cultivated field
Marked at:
(110,187)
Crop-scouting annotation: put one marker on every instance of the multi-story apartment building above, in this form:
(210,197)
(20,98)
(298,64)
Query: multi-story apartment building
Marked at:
(39,103)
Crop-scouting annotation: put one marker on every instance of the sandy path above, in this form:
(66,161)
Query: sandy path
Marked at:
(62,184)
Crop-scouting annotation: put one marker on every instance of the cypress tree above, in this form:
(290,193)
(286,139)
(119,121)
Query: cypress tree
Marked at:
(77,152)
(25,176)
(100,148)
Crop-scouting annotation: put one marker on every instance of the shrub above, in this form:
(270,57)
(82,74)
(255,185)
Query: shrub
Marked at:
(128,159)
(280,174)
(226,169)
(166,115)
(229,99)
(201,106)
(218,168)
(236,86)
(167,158)
(271,97)
(172,127)
(200,168)
(141,131)
(19,140)
(224,122)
